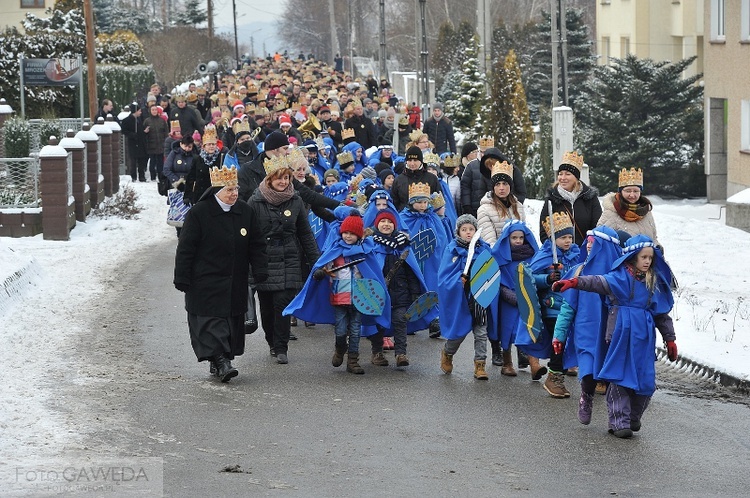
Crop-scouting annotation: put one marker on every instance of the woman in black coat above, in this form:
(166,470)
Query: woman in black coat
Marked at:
(571,196)
(219,240)
(282,219)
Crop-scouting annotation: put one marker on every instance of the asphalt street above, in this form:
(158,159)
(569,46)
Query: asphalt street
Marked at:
(309,429)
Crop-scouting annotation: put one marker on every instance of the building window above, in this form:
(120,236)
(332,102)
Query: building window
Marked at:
(624,47)
(745,21)
(717,20)
(605,50)
(32,4)
(745,125)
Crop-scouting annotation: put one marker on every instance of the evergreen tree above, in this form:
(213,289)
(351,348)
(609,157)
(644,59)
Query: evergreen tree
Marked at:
(508,115)
(450,91)
(642,113)
(450,48)
(538,173)
(192,14)
(111,17)
(581,62)
(463,111)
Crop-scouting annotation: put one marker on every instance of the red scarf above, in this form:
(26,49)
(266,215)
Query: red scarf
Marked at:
(631,212)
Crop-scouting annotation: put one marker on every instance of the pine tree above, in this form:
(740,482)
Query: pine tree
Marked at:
(508,117)
(538,173)
(451,48)
(642,113)
(463,111)
(192,15)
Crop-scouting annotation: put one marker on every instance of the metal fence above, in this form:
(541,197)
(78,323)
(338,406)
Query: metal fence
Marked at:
(64,124)
(19,182)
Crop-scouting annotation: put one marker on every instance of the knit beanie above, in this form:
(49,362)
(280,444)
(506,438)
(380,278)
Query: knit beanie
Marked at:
(385,174)
(368,172)
(414,152)
(468,149)
(331,172)
(380,167)
(385,215)
(464,219)
(353,223)
(275,140)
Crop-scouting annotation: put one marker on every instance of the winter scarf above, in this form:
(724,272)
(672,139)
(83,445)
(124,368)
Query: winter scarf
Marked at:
(274,197)
(569,196)
(631,212)
(397,240)
(210,159)
(522,252)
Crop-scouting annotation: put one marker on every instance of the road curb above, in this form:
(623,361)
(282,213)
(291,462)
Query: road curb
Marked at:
(692,367)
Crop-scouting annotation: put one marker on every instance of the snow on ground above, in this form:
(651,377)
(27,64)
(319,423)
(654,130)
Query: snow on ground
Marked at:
(49,289)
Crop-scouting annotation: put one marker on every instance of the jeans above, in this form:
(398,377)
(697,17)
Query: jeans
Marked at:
(348,322)
(480,343)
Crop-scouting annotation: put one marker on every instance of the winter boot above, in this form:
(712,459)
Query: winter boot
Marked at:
(555,385)
(435,328)
(479,372)
(497,359)
(378,359)
(601,388)
(585,406)
(402,360)
(446,361)
(537,370)
(339,351)
(508,364)
(224,369)
(572,372)
(622,433)
(523,360)
(352,364)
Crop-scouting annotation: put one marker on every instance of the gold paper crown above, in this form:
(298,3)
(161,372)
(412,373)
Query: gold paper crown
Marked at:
(347,133)
(249,108)
(320,144)
(209,134)
(631,177)
(403,120)
(452,161)
(419,190)
(437,200)
(502,168)
(224,177)
(296,107)
(486,141)
(345,158)
(354,184)
(355,103)
(296,158)
(234,96)
(280,106)
(561,220)
(573,158)
(222,101)
(240,125)
(215,109)
(274,164)
(415,135)
(431,158)
(251,89)
(361,199)
(174,126)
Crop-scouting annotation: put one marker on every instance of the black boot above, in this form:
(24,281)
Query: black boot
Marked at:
(212,367)
(224,369)
(251,326)
(435,328)
(523,360)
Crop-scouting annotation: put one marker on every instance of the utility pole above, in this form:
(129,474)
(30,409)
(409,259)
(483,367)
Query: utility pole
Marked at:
(383,65)
(554,39)
(564,50)
(425,75)
(351,43)
(334,37)
(210,16)
(484,29)
(417,58)
(562,115)
(236,45)
(88,13)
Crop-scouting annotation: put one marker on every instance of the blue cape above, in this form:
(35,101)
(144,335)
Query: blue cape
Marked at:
(413,223)
(352,147)
(450,206)
(455,316)
(313,303)
(372,212)
(585,340)
(541,265)
(504,328)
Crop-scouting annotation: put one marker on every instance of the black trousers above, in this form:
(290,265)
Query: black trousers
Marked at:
(555,362)
(138,167)
(275,326)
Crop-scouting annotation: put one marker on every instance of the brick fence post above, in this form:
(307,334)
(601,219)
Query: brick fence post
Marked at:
(58,205)
(94,177)
(105,134)
(80,189)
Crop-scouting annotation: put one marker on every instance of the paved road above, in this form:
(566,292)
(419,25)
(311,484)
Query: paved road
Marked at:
(308,429)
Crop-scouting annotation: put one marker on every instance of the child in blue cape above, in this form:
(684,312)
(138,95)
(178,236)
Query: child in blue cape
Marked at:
(516,245)
(459,312)
(545,274)
(327,294)
(318,163)
(437,202)
(639,298)
(345,166)
(583,315)
(405,285)
(379,200)
(358,154)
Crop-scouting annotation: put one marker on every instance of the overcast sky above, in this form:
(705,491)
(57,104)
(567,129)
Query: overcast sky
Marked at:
(248,11)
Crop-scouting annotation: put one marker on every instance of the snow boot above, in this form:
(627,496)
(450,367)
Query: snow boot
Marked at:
(379,359)
(507,368)
(479,372)
(585,407)
(352,364)
(537,370)
(224,369)
(523,360)
(435,328)
(555,385)
(338,356)
(446,361)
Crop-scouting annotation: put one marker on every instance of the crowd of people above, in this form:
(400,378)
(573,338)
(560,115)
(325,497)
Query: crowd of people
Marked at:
(326,197)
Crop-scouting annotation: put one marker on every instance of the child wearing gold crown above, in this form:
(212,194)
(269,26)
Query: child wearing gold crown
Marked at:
(545,274)
(628,209)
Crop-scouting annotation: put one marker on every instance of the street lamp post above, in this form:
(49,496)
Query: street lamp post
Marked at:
(236,45)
